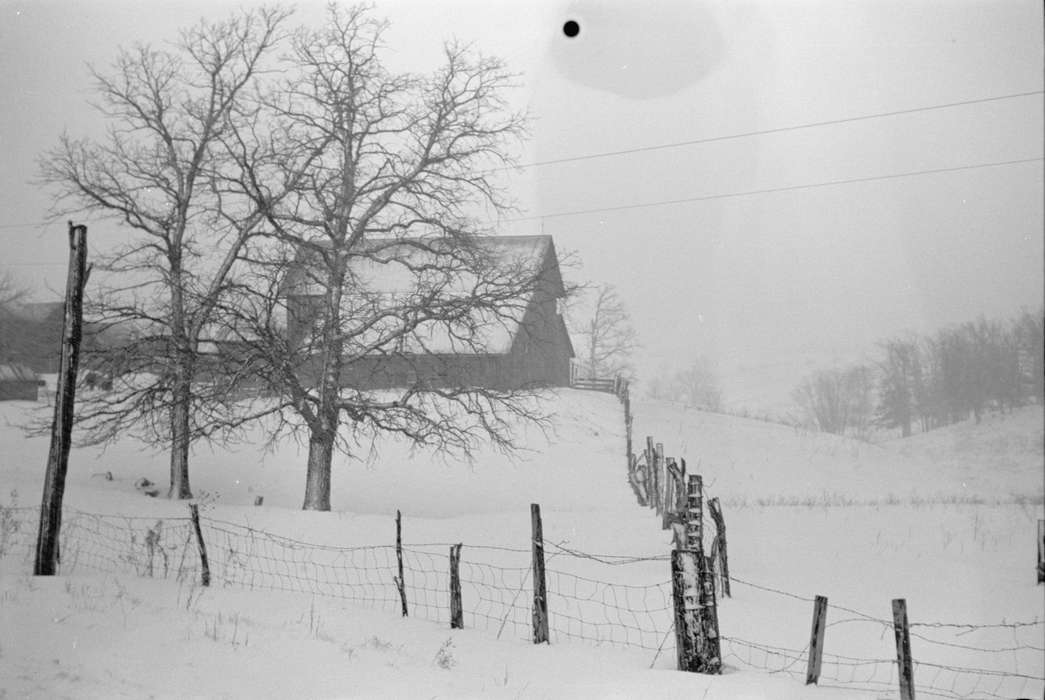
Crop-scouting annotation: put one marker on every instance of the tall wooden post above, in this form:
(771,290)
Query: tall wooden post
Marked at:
(816,640)
(686,602)
(695,513)
(47,551)
(540,587)
(456,609)
(662,478)
(905,667)
(399,582)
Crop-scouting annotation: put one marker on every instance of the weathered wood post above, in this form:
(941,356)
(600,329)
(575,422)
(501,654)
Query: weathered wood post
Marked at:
(698,639)
(723,550)
(676,485)
(695,513)
(1041,551)
(651,481)
(905,667)
(540,588)
(456,609)
(816,640)
(47,549)
(399,582)
(662,479)
(194,513)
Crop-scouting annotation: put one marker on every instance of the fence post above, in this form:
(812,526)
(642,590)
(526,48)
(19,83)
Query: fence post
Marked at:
(675,486)
(540,588)
(194,513)
(662,478)
(456,609)
(1041,551)
(816,640)
(905,668)
(695,513)
(400,584)
(50,525)
(651,481)
(723,551)
(685,594)
(710,650)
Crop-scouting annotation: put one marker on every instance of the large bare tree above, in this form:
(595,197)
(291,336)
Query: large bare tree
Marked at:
(159,173)
(371,184)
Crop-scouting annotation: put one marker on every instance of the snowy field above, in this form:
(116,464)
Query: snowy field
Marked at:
(303,604)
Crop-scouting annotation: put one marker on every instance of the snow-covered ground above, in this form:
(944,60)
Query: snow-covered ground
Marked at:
(303,604)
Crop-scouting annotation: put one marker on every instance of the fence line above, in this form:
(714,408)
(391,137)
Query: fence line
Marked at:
(494,581)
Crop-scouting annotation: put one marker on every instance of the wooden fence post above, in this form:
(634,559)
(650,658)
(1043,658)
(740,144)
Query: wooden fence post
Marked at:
(400,583)
(816,640)
(540,588)
(194,513)
(710,649)
(723,551)
(651,481)
(905,667)
(456,609)
(47,548)
(1041,551)
(685,594)
(695,513)
(662,477)
(675,487)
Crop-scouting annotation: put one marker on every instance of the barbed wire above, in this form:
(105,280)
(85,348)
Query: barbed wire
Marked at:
(495,586)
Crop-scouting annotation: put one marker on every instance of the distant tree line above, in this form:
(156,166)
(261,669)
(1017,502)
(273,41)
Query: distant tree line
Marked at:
(960,372)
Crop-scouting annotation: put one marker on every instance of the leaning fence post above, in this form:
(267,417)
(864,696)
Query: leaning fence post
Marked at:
(905,667)
(540,588)
(400,585)
(651,481)
(194,513)
(816,640)
(662,478)
(723,551)
(1041,551)
(456,610)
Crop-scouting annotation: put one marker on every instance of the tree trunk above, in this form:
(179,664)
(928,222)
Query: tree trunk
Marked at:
(182,398)
(317,481)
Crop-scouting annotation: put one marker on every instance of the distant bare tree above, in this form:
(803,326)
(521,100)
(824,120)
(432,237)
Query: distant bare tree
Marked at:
(159,172)
(1028,336)
(837,401)
(366,176)
(608,336)
(697,385)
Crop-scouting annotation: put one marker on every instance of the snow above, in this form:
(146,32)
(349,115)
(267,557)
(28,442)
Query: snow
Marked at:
(946,520)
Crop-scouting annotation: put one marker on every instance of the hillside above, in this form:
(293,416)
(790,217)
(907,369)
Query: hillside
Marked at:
(750,461)
(807,515)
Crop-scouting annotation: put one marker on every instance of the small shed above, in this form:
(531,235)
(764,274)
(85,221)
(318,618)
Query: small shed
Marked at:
(18,383)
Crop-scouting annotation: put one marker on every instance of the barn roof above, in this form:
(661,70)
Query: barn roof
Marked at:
(390,267)
(15,372)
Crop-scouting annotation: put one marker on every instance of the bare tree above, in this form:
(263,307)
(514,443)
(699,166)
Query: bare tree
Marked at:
(372,263)
(836,401)
(158,172)
(608,336)
(696,385)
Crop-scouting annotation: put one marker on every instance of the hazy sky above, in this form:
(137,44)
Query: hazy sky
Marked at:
(765,284)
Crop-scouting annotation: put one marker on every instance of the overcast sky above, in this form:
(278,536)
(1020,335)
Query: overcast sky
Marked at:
(766,284)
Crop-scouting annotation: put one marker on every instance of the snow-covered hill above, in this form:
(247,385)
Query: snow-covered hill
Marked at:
(946,520)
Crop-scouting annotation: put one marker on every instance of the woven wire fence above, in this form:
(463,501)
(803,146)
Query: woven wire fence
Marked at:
(591,598)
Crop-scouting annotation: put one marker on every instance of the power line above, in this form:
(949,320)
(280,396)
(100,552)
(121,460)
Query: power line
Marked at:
(777,130)
(770,190)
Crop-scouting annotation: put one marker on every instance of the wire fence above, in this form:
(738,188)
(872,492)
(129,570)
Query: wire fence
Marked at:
(603,600)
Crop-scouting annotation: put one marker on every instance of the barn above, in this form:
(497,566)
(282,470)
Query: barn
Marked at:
(526,344)
(18,383)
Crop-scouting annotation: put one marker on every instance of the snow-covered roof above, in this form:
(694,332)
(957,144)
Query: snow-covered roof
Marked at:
(401,272)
